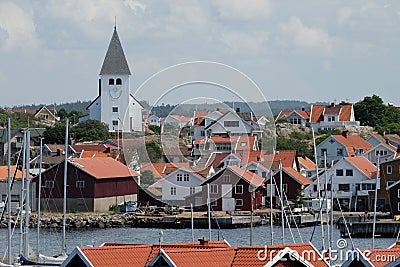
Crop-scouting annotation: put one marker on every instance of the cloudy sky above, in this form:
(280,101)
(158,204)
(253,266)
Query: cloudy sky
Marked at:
(52,51)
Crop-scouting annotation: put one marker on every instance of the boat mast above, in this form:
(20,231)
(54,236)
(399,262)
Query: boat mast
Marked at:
(39,198)
(281,200)
(64,245)
(375,203)
(191,220)
(271,222)
(22,201)
(318,188)
(9,189)
(326,200)
(27,196)
(331,210)
(209,210)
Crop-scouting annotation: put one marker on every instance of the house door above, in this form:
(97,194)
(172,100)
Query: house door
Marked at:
(228,202)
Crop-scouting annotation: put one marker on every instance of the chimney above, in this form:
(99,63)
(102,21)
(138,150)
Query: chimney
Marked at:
(302,108)
(99,87)
(333,104)
(204,241)
(58,152)
(237,110)
(345,133)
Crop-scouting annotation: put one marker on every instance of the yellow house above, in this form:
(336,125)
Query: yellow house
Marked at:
(45,115)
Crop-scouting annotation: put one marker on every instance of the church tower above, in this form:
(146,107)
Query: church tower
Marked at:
(115,105)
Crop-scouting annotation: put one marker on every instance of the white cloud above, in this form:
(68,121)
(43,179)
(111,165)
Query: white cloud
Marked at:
(307,36)
(243,10)
(344,15)
(19,27)
(245,43)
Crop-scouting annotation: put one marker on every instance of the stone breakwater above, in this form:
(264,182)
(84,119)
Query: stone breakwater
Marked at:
(89,221)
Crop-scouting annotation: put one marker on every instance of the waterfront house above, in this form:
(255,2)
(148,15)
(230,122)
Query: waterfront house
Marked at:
(390,189)
(338,146)
(292,184)
(16,189)
(353,180)
(232,188)
(307,167)
(196,254)
(94,184)
(179,184)
(332,116)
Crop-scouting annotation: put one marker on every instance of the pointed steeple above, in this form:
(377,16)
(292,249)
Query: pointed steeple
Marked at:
(115,61)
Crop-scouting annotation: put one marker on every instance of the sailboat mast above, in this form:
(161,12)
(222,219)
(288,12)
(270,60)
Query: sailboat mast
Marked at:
(9,188)
(27,196)
(39,198)
(191,220)
(22,200)
(209,210)
(271,221)
(331,210)
(64,245)
(326,200)
(281,200)
(375,203)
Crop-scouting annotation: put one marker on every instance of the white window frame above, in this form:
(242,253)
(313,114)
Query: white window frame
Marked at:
(213,188)
(173,191)
(398,193)
(237,187)
(227,178)
(398,206)
(192,190)
(239,200)
(179,177)
(80,184)
(387,169)
(213,202)
(114,109)
(186,177)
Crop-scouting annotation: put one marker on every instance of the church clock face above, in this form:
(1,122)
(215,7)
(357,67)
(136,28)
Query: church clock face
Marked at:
(115,92)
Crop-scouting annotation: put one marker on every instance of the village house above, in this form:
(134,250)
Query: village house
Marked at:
(180,184)
(337,147)
(380,148)
(16,189)
(233,188)
(94,184)
(389,192)
(46,116)
(332,117)
(353,179)
(307,167)
(292,184)
(297,117)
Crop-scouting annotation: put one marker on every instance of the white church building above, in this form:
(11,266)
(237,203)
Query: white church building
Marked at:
(115,105)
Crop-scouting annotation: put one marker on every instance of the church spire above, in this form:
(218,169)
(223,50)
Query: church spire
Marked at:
(115,61)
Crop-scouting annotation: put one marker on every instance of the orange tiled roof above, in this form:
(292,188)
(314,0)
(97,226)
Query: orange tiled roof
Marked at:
(364,165)
(217,253)
(286,156)
(345,112)
(55,147)
(249,176)
(296,175)
(201,113)
(92,147)
(4,172)
(102,168)
(317,111)
(27,111)
(283,113)
(180,118)
(92,154)
(306,162)
(352,142)
(161,169)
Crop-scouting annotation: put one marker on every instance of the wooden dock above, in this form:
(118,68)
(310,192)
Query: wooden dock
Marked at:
(383,228)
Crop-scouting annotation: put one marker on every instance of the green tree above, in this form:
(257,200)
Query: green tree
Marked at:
(146,177)
(90,130)
(55,134)
(302,148)
(153,151)
(156,129)
(62,113)
(74,116)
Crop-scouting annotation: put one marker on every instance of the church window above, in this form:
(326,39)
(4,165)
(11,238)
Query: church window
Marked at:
(115,109)
(111,81)
(119,81)
(115,123)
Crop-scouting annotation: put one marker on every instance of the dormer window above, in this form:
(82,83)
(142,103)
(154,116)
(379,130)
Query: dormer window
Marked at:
(119,81)
(110,81)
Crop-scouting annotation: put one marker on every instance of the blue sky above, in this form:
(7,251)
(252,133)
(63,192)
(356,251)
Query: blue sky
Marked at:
(52,51)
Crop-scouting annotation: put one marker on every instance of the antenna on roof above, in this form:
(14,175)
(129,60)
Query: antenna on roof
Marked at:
(115,22)
(160,238)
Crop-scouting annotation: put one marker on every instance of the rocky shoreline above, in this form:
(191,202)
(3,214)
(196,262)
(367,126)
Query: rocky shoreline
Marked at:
(89,221)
